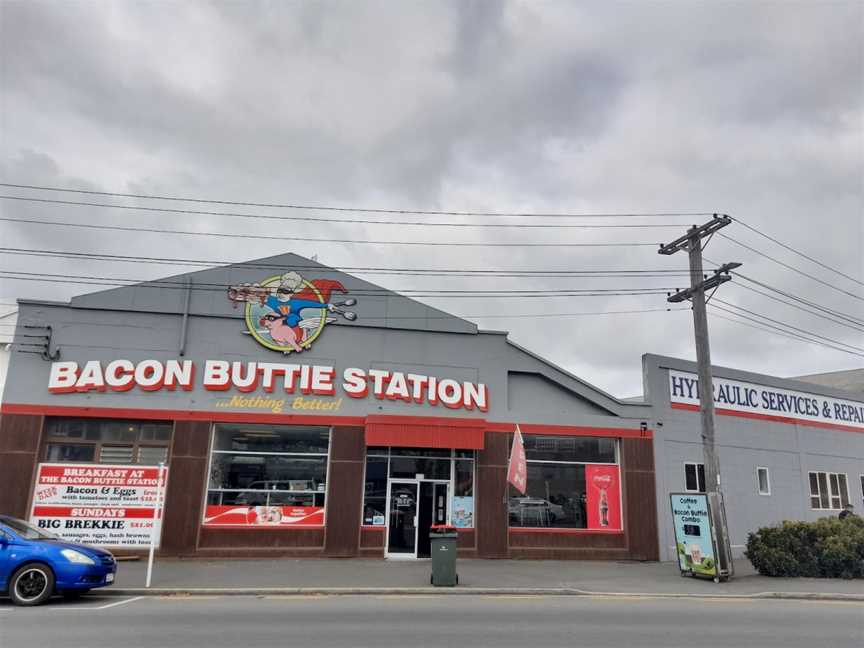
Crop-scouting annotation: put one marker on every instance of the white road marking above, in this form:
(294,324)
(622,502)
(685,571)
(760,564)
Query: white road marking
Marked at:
(97,607)
(117,603)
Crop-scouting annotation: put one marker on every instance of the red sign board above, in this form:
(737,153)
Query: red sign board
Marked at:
(604,497)
(264,516)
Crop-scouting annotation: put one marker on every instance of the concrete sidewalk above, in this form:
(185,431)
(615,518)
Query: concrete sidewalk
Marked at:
(321,576)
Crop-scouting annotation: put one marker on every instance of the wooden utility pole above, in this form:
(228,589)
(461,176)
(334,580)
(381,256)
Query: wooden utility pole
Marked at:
(699,285)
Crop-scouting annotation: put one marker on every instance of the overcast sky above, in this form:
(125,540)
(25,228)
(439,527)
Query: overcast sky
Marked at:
(752,109)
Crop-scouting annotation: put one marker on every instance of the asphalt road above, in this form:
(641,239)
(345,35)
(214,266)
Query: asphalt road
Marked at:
(382,622)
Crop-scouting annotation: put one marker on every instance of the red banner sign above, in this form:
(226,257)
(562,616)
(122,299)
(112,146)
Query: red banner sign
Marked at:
(270,516)
(604,497)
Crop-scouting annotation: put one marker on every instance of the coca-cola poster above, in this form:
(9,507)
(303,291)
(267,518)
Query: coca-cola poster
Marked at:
(603,485)
(98,504)
(269,516)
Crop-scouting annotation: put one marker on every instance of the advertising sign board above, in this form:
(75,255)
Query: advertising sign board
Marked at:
(251,516)
(99,504)
(694,539)
(603,504)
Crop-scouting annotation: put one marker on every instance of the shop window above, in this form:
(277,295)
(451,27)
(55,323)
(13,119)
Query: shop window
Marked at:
(828,491)
(68,452)
(561,490)
(410,467)
(572,449)
(375,491)
(694,477)
(463,494)
(111,441)
(152,455)
(763,483)
(278,472)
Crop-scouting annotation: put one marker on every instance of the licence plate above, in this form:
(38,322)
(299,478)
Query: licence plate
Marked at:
(109,578)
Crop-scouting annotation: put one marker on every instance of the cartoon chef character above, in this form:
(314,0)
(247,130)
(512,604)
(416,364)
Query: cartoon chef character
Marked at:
(286,303)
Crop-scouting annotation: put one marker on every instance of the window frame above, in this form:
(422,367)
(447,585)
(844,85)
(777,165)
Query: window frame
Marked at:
(551,529)
(759,490)
(829,495)
(211,451)
(696,465)
(49,439)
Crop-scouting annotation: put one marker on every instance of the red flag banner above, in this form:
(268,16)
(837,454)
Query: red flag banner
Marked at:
(517,471)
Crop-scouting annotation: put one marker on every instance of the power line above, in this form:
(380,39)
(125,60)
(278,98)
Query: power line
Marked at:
(156,230)
(849,318)
(354,221)
(93,256)
(789,326)
(792,268)
(377,292)
(428,295)
(831,311)
(798,252)
(801,308)
(776,331)
(483,316)
(366,210)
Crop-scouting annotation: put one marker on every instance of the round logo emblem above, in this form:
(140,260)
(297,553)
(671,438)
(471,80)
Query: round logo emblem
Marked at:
(287,313)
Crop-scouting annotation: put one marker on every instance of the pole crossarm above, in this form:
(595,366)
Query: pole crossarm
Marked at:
(695,234)
(708,284)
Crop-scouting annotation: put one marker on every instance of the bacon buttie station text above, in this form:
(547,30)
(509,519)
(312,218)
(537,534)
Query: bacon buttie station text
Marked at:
(222,375)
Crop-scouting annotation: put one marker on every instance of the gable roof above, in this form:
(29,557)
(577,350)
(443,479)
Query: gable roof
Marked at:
(376,306)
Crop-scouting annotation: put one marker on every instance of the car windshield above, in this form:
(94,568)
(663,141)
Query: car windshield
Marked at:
(27,530)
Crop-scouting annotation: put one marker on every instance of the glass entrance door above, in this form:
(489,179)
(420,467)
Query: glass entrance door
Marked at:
(432,510)
(402,519)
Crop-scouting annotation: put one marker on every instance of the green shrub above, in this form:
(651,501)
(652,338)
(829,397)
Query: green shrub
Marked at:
(827,548)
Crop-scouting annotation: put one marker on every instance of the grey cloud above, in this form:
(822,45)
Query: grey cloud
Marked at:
(747,108)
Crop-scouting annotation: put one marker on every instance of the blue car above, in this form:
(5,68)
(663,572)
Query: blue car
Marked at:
(35,564)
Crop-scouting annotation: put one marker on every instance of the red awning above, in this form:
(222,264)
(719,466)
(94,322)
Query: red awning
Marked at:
(416,432)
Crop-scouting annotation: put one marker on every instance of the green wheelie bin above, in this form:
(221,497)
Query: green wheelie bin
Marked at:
(443,539)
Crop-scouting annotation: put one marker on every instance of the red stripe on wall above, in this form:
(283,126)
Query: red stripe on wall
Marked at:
(550,530)
(317,419)
(768,417)
(180,415)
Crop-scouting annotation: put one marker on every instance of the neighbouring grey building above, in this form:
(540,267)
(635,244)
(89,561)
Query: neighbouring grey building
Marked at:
(787,449)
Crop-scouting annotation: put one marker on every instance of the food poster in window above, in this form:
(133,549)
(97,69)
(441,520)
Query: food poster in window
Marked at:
(264,516)
(693,540)
(463,512)
(99,504)
(603,497)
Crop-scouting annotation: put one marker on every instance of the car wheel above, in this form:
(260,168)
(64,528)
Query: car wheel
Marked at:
(31,585)
(71,595)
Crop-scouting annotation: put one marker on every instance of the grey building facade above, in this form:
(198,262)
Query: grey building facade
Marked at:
(303,411)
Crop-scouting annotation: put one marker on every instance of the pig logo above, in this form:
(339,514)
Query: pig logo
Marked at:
(287,313)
